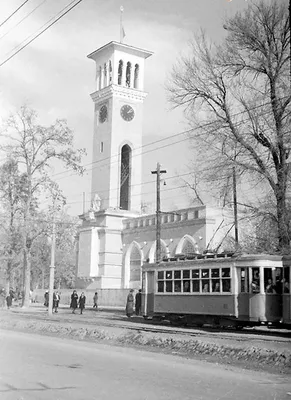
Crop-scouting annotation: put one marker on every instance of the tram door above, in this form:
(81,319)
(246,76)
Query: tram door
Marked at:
(243,294)
(260,297)
(148,292)
(286,289)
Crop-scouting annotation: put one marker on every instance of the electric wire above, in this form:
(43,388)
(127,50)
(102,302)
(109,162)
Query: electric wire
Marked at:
(14,12)
(23,19)
(55,20)
(188,131)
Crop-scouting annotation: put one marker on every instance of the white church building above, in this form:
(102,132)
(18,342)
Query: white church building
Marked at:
(115,237)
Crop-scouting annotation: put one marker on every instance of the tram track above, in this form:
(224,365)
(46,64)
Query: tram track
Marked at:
(133,325)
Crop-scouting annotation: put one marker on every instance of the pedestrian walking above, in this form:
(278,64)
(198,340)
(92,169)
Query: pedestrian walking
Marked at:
(9,300)
(82,302)
(56,300)
(2,298)
(138,302)
(95,301)
(129,304)
(46,298)
(74,301)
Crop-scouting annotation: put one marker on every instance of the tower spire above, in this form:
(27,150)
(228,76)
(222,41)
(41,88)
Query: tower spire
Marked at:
(122,31)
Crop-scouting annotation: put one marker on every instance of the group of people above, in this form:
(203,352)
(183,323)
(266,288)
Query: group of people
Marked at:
(133,302)
(56,300)
(77,301)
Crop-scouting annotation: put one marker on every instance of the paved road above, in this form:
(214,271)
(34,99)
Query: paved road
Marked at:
(33,367)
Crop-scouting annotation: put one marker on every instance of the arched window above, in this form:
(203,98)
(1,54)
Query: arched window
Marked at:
(188,248)
(105,75)
(135,264)
(128,73)
(110,72)
(125,177)
(120,71)
(136,76)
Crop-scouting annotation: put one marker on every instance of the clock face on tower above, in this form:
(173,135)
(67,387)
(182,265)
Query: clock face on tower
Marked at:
(103,114)
(127,112)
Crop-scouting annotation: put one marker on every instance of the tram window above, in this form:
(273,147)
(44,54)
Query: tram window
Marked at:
(169,274)
(244,287)
(177,274)
(177,286)
(225,272)
(161,287)
(195,273)
(215,273)
(286,280)
(169,286)
(268,281)
(205,285)
(215,285)
(186,286)
(186,274)
(226,287)
(195,286)
(255,280)
(160,274)
(278,281)
(205,273)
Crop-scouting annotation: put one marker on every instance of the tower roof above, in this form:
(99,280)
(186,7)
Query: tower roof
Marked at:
(121,47)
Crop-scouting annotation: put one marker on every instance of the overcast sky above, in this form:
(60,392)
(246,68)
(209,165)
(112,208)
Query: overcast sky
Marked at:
(54,76)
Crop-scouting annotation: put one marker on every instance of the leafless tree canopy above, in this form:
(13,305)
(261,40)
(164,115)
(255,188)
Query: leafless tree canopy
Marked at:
(237,97)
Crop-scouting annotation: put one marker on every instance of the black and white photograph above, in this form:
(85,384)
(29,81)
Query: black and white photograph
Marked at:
(145,200)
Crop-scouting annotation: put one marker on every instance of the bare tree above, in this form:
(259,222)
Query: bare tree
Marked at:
(238,97)
(34,147)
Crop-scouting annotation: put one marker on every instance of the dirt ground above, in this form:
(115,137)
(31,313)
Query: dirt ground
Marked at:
(272,354)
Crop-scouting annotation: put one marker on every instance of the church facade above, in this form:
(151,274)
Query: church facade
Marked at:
(115,237)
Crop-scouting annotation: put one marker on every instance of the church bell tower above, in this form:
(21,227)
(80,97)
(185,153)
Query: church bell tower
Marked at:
(116,163)
(118,116)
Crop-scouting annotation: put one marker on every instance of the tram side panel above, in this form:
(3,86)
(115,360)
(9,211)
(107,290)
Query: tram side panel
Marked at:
(201,304)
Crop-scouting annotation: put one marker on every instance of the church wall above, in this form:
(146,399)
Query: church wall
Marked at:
(88,255)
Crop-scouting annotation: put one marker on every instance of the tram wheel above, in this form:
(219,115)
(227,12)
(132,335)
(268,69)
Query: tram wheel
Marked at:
(239,327)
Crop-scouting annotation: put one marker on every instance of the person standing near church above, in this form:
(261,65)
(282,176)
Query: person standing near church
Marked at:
(129,304)
(95,301)
(138,302)
(56,300)
(82,302)
(74,301)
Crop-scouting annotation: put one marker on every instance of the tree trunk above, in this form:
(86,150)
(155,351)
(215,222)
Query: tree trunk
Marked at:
(283,234)
(26,277)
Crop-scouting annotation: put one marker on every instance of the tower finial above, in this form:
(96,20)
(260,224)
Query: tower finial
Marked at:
(122,31)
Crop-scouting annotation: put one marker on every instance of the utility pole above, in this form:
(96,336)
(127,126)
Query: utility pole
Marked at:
(158,172)
(235,207)
(52,268)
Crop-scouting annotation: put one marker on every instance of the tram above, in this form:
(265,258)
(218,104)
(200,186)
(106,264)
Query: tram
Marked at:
(218,289)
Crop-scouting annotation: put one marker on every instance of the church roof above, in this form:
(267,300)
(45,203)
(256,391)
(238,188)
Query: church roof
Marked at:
(121,47)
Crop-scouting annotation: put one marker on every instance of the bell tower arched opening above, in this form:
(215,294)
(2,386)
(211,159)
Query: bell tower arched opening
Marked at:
(125,177)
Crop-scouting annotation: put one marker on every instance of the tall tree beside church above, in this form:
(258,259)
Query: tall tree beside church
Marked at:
(34,147)
(10,198)
(238,95)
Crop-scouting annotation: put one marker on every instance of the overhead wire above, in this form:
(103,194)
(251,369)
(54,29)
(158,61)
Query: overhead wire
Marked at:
(55,20)
(23,19)
(14,12)
(188,131)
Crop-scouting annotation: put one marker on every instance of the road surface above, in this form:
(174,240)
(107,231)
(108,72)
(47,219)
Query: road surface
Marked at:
(34,367)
